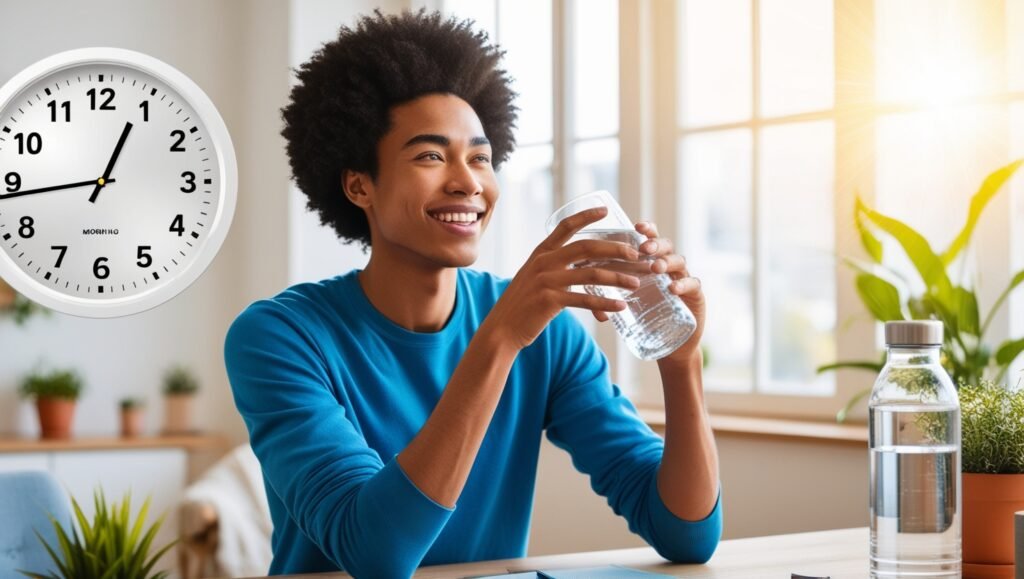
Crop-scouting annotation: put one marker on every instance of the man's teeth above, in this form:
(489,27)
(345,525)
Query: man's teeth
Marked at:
(456,217)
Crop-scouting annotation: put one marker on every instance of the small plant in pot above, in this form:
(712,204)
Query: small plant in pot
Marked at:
(132,413)
(180,387)
(113,544)
(55,393)
(992,448)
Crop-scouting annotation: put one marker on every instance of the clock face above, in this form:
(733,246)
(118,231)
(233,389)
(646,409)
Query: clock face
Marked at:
(118,182)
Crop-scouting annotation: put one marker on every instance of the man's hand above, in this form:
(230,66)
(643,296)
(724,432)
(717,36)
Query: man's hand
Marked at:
(541,288)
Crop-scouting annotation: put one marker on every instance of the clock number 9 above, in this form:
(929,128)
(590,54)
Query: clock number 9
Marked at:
(99,270)
(190,182)
(13,181)
(143,255)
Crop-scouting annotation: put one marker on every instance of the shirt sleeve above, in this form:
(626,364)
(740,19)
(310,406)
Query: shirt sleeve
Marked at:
(365,515)
(590,418)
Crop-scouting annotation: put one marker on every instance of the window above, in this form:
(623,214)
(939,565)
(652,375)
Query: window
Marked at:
(787,109)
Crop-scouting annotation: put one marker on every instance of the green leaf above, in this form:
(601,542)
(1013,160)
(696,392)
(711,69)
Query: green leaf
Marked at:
(1016,281)
(870,366)
(992,184)
(872,246)
(881,297)
(967,311)
(841,415)
(928,265)
(1008,351)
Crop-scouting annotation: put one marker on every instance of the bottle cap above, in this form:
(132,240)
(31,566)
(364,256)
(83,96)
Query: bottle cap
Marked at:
(913,333)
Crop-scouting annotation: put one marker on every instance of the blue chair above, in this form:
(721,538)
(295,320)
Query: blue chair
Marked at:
(27,499)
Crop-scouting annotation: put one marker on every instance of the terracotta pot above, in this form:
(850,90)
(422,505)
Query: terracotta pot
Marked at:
(55,417)
(989,501)
(131,421)
(7,295)
(178,418)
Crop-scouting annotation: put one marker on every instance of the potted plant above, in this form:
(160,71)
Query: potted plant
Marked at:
(132,412)
(992,455)
(180,387)
(14,304)
(55,394)
(111,543)
(886,293)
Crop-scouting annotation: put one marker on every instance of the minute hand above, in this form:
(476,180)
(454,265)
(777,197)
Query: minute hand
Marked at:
(54,188)
(110,164)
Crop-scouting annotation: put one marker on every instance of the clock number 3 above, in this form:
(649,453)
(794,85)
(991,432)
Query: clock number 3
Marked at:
(190,182)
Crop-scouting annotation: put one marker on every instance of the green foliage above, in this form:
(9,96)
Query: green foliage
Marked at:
(992,428)
(112,546)
(53,384)
(128,403)
(966,356)
(180,380)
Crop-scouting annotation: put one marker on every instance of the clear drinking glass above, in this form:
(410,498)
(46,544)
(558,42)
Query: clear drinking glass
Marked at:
(655,322)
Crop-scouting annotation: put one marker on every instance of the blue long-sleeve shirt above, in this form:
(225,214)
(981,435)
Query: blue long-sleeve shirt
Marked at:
(331,390)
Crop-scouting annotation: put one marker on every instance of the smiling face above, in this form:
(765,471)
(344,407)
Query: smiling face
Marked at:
(435,189)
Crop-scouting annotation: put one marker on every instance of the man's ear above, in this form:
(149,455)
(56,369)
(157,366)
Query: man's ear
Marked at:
(358,188)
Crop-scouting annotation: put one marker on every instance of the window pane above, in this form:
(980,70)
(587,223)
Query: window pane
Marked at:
(796,185)
(597,166)
(525,34)
(937,51)
(482,12)
(715,218)
(945,153)
(596,67)
(715,40)
(1015,43)
(1017,238)
(526,201)
(797,56)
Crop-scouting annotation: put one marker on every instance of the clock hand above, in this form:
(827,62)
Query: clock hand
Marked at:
(110,164)
(54,188)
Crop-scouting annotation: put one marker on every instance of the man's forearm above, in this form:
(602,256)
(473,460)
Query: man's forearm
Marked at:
(688,477)
(439,458)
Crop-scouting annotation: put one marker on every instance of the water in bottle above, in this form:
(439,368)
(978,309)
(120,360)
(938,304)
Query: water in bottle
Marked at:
(655,322)
(914,437)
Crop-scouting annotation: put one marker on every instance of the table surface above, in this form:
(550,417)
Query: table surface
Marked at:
(839,554)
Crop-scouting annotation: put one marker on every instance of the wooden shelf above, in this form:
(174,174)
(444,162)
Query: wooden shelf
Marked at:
(770,427)
(190,442)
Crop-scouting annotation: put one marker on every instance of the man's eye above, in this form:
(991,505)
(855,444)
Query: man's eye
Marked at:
(431,157)
(483,158)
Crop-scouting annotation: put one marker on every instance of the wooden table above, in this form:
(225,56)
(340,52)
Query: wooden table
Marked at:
(839,554)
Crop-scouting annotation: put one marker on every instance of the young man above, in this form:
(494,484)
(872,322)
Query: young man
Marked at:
(397,411)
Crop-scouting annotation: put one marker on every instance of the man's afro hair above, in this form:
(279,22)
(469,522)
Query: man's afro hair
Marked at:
(340,108)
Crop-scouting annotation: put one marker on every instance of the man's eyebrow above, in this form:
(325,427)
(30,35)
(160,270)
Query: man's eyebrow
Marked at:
(442,140)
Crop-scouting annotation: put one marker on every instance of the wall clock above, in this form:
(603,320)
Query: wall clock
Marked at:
(119,182)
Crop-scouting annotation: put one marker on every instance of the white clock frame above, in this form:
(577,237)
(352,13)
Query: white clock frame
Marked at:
(228,185)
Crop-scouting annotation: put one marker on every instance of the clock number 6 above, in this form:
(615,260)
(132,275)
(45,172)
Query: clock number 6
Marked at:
(144,256)
(190,182)
(99,270)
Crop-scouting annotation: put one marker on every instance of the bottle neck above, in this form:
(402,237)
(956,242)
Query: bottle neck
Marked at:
(914,355)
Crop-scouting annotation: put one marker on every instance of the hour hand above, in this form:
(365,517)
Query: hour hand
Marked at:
(56,188)
(110,164)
